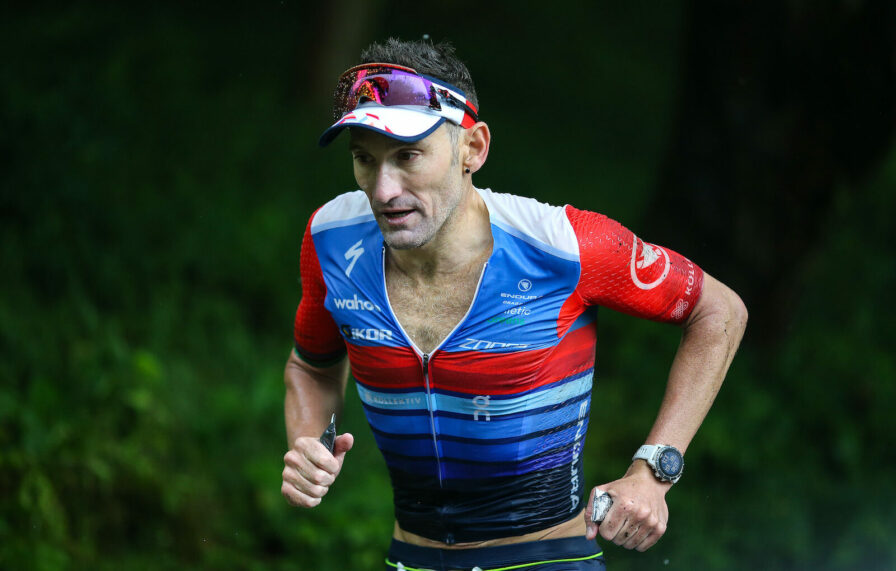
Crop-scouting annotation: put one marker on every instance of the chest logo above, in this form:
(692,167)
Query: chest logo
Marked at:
(352,254)
(480,403)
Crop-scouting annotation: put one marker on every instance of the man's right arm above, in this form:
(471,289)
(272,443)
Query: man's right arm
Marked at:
(313,394)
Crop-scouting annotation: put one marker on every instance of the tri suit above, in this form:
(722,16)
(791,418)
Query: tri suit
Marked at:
(483,436)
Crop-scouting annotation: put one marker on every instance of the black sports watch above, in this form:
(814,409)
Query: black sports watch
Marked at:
(667,462)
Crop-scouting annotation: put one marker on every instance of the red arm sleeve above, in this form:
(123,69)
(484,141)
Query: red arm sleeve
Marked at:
(622,272)
(317,337)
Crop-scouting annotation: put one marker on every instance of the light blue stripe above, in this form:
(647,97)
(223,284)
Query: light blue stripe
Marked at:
(536,243)
(416,400)
(550,396)
(413,400)
(346,222)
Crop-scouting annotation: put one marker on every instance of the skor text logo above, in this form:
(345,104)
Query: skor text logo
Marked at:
(367,334)
(355,304)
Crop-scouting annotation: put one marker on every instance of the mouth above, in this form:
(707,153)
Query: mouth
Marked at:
(397,216)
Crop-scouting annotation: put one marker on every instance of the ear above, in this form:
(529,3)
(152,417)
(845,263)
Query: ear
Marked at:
(478,138)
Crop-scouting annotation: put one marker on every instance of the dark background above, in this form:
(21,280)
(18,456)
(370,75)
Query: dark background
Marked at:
(158,165)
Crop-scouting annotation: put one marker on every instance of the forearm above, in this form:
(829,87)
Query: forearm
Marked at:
(312,395)
(709,341)
(710,338)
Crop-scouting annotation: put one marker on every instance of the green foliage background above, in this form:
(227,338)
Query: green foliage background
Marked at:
(158,166)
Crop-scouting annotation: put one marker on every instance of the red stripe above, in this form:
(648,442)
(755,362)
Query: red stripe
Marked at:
(476,372)
(386,367)
(314,329)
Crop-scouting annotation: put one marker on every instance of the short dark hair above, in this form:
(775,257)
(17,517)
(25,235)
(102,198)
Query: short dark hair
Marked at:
(436,60)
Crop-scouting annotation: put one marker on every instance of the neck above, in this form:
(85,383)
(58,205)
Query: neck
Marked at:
(465,239)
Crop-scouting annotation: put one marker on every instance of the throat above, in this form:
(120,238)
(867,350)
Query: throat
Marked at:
(430,304)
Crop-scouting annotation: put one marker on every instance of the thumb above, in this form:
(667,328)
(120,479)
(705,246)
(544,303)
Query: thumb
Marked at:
(591,528)
(341,445)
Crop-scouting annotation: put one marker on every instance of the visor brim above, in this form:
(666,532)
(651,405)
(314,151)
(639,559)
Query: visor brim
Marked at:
(401,123)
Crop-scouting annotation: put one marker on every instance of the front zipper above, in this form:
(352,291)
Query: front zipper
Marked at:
(432,420)
(426,357)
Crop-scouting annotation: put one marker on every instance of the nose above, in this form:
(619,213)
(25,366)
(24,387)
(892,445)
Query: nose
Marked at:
(386,184)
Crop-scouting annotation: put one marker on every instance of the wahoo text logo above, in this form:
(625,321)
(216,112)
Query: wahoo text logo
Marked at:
(356,304)
(369,334)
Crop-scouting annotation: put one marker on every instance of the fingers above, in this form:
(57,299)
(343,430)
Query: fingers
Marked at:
(634,525)
(309,471)
(641,535)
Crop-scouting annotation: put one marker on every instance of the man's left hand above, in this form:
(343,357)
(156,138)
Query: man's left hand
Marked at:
(639,514)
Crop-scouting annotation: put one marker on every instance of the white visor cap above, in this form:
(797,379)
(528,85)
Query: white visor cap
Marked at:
(406,123)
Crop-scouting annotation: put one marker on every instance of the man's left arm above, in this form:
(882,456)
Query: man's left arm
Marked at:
(711,335)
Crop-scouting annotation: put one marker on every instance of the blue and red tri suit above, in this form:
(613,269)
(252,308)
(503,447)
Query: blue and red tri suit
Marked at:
(483,436)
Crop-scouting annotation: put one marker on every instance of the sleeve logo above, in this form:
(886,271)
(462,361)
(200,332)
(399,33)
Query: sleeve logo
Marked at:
(644,256)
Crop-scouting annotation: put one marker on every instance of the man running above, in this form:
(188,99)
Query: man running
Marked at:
(467,319)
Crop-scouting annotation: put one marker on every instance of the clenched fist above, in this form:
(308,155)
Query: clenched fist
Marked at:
(310,469)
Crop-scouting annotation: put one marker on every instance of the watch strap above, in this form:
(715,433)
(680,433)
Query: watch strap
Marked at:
(647,453)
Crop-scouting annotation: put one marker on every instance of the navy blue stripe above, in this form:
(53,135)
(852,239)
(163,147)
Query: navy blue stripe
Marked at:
(507,464)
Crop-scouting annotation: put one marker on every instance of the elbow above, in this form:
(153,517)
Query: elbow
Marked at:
(735,323)
(719,310)
(738,312)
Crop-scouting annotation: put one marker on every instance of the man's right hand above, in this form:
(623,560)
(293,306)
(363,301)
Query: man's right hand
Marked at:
(310,469)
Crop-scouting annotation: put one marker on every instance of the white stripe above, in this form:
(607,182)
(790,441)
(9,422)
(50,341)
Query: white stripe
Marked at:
(344,209)
(545,226)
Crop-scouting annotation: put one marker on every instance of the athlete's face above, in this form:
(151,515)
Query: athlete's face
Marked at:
(413,188)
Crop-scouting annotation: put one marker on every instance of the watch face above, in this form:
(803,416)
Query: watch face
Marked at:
(670,462)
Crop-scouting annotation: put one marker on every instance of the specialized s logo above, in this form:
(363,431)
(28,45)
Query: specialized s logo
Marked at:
(644,256)
(352,254)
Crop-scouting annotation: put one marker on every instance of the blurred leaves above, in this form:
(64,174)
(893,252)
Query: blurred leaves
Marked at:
(157,168)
